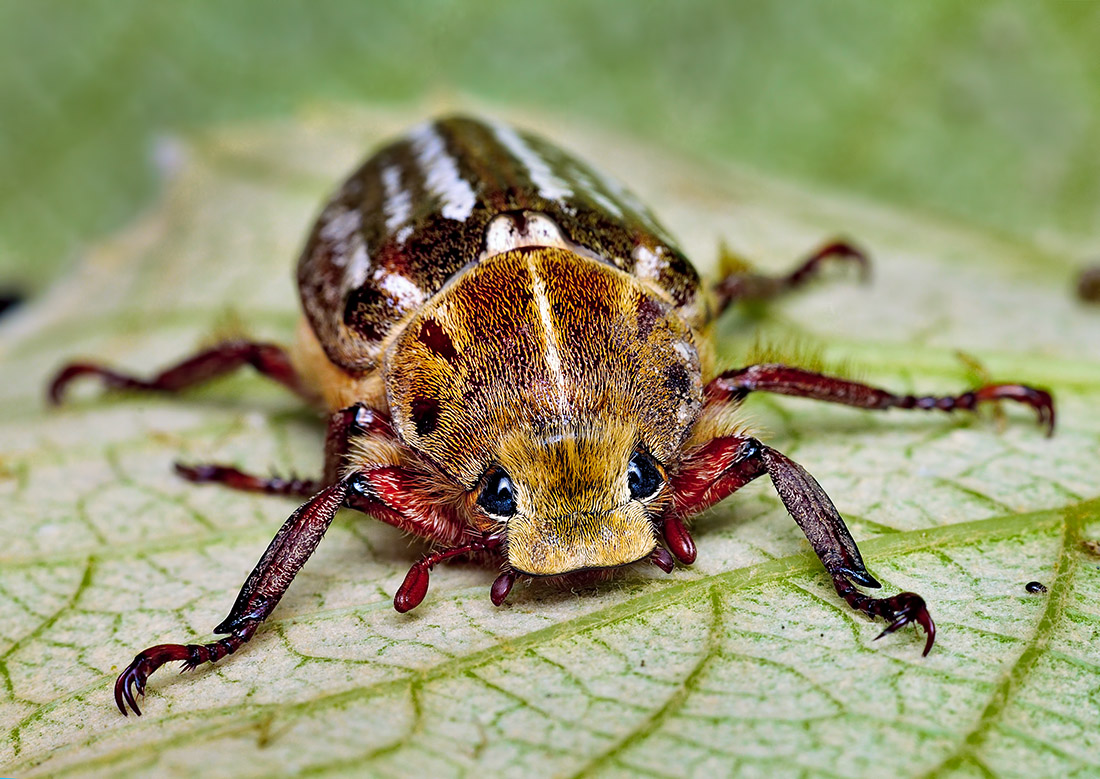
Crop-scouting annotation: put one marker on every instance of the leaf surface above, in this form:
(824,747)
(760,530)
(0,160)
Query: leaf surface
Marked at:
(746,663)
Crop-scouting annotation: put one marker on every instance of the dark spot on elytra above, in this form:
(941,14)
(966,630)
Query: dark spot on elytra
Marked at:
(676,379)
(365,313)
(649,311)
(425,415)
(435,338)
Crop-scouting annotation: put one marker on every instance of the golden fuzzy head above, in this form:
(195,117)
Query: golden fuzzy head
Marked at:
(577,500)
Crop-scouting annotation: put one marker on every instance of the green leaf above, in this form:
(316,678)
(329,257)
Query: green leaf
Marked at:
(745,663)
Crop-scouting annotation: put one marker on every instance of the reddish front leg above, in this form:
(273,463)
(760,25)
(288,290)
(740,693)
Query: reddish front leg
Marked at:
(287,553)
(392,494)
(745,285)
(734,385)
(726,464)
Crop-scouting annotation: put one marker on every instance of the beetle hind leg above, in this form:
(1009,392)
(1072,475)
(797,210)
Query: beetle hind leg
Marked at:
(269,359)
(743,284)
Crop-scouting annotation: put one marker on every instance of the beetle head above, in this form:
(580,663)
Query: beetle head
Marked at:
(574,501)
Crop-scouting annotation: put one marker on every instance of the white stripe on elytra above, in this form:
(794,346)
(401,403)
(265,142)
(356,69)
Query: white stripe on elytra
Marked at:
(614,188)
(358,266)
(602,199)
(546,182)
(402,289)
(441,174)
(396,200)
(550,336)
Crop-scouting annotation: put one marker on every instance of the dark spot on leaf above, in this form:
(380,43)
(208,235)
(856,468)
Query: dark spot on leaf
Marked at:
(9,299)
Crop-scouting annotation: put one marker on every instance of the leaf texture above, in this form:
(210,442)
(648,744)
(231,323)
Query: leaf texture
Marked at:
(744,664)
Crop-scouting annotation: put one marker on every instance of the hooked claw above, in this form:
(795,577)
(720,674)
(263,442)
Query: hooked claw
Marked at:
(131,680)
(909,607)
(137,673)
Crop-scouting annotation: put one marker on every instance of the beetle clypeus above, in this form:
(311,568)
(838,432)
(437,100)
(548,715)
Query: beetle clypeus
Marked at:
(517,363)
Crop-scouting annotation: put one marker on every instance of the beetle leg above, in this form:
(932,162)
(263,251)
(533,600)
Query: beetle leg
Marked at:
(285,555)
(746,285)
(785,380)
(269,359)
(391,494)
(344,425)
(348,423)
(227,475)
(726,464)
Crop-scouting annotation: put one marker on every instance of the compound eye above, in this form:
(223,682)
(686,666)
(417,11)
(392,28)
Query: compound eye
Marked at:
(498,497)
(642,476)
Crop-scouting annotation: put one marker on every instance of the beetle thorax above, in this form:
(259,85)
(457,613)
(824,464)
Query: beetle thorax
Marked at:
(540,340)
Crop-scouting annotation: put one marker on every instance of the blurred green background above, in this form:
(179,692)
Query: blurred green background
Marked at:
(988,112)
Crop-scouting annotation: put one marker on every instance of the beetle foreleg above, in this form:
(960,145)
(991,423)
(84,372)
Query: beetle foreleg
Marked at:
(726,464)
(285,555)
(745,285)
(785,380)
(399,497)
(899,610)
(270,360)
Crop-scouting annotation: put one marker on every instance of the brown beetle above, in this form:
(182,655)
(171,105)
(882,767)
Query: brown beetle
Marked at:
(518,365)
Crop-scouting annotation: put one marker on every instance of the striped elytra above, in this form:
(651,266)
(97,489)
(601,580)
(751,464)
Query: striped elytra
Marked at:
(449,193)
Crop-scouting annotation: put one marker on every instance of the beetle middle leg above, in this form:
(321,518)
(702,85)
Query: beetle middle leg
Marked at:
(785,380)
(343,426)
(743,284)
(270,360)
(725,464)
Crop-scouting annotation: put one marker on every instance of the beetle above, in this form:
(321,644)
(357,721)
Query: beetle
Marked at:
(518,365)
